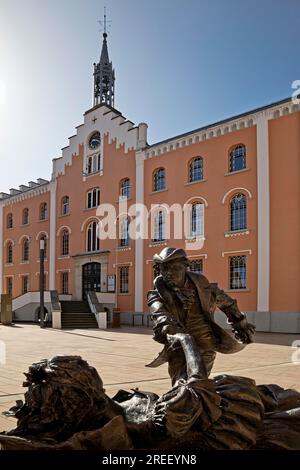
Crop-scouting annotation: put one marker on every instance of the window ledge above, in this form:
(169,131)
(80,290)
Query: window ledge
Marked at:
(195,182)
(123,248)
(122,199)
(9,228)
(90,208)
(235,233)
(24,225)
(123,293)
(64,257)
(24,262)
(94,173)
(43,220)
(7,265)
(38,260)
(194,239)
(160,243)
(237,290)
(236,172)
(158,191)
(65,215)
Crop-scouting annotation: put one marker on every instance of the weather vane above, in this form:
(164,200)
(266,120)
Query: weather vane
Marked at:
(105,24)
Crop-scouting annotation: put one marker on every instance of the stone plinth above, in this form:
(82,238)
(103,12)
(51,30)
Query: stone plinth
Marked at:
(6,309)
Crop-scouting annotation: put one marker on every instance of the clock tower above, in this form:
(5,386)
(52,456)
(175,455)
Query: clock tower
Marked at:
(104,76)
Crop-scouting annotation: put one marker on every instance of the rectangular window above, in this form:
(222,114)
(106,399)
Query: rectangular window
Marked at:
(196,266)
(25,284)
(237,272)
(9,285)
(124,280)
(65,283)
(93,198)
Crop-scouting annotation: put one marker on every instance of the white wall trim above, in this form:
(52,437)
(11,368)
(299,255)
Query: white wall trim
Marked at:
(139,242)
(234,190)
(263,213)
(52,234)
(249,251)
(61,228)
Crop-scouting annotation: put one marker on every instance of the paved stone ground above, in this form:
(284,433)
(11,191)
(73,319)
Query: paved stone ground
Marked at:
(120,356)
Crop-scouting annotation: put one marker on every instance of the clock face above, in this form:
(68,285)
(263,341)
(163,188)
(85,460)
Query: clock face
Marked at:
(95,140)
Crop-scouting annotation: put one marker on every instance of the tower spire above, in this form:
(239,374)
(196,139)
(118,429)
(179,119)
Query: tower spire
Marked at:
(104,74)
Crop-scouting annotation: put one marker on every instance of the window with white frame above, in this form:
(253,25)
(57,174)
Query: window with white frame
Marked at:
(25,249)
(238,212)
(65,242)
(237,158)
(65,283)
(25,216)
(9,252)
(196,169)
(25,284)
(124,280)
(92,237)
(124,231)
(196,266)
(93,198)
(65,205)
(237,272)
(43,211)
(9,221)
(159,179)
(125,188)
(93,163)
(197,220)
(159,227)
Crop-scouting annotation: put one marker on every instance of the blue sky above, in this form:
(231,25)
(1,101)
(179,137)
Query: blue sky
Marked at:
(180,64)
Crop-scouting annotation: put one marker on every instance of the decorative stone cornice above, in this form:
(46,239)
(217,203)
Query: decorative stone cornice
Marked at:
(229,125)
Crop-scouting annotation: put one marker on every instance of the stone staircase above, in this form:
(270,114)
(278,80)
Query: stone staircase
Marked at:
(77,315)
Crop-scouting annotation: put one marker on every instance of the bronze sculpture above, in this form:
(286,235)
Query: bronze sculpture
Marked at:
(66,407)
(183,301)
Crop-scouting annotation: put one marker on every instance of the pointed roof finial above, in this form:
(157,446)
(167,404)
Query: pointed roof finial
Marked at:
(105,24)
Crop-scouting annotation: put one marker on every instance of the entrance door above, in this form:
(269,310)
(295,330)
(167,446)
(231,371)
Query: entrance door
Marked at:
(91,276)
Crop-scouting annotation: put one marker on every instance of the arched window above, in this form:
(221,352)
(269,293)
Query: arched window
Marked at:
(65,205)
(237,268)
(25,249)
(25,216)
(238,212)
(159,227)
(43,237)
(92,237)
(196,169)
(159,179)
(9,220)
(124,231)
(65,243)
(93,198)
(125,188)
(9,252)
(237,158)
(43,211)
(197,220)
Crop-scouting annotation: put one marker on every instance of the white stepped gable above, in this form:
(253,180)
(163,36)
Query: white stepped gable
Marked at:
(107,122)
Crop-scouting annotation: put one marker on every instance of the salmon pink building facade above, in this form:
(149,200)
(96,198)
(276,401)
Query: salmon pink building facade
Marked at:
(239,179)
